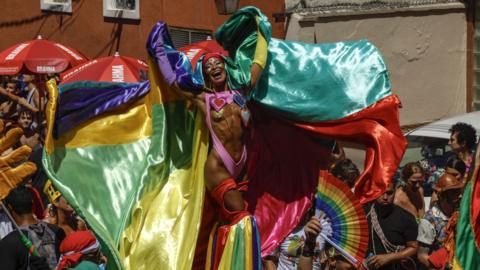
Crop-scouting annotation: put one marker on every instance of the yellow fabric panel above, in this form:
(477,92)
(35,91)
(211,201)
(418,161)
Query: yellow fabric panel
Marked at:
(165,222)
(208,262)
(248,235)
(227,255)
(123,125)
(261,49)
(456,265)
(129,123)
(50,114)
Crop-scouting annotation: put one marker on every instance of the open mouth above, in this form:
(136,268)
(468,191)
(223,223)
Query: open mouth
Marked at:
(217,74)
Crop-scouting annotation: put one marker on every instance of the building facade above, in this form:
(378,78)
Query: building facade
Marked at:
(87,30)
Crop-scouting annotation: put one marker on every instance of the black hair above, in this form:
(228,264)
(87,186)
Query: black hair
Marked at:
(20,200)
(466,134)
(457,164)
(25,110)
(18,84)
(346,171)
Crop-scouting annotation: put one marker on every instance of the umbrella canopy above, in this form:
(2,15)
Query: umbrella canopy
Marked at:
(38,56)
(108,69)
(196,50)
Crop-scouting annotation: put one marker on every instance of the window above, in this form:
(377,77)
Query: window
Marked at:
(56,5)
(125,9)
(182,37)
(476,59)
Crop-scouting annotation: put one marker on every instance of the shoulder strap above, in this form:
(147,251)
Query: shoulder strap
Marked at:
(389,247)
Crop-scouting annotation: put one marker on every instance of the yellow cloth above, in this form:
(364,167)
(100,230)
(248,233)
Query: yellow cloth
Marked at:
(166,220)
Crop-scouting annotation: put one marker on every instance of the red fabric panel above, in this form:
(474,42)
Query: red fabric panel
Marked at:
(285,158)
(377,127)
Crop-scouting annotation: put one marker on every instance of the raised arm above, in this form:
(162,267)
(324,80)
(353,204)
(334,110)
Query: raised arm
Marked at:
(197,99)
(19,100)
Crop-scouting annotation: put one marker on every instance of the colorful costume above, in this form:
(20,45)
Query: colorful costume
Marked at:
(217,101)
(149,177)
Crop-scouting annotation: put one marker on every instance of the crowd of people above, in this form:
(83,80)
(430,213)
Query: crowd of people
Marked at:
(404,232)
(50,235)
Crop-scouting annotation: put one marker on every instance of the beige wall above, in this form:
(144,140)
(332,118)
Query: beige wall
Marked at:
(425,52)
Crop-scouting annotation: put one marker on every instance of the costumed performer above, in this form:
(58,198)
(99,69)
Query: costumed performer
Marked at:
(227,117)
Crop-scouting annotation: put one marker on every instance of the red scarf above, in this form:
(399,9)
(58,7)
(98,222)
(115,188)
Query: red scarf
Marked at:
(74,246)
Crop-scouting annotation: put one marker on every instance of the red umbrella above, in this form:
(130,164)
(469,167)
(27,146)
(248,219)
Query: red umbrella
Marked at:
(196,50)
(38,56)
(108,69)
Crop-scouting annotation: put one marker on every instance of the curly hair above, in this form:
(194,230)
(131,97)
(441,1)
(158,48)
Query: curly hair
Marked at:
(466,134)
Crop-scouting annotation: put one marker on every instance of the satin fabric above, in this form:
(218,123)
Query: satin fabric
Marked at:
(283,169)
(234,247)
(322,88)
(281,189)
(173,65)
(475,211)
(129,117)
(283,174)
(309,84)
(302,81)
(50,111)
(166,218)
(377,128)
(142,198)
(81,101)
(467,252)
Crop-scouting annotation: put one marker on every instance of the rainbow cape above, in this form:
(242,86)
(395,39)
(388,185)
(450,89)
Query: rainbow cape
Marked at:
(131,164)
(129,157)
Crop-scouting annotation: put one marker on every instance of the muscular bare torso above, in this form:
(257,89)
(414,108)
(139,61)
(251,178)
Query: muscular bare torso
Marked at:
(228,127)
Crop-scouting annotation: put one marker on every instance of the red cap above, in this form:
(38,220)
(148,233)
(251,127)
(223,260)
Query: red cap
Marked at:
(211,55)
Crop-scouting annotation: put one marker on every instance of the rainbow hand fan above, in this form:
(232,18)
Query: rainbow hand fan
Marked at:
(342,208)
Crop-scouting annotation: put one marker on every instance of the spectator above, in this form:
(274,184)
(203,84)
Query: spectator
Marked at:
(80,250)
(431,230)
(288,255)
(312,230)
(409,195)
(334,260)
(462,141)
(29,137)
(60,212)
(8,108)
(455,167)
(346,171)
(393,234)
(301,248)
(46,238)
(32,93)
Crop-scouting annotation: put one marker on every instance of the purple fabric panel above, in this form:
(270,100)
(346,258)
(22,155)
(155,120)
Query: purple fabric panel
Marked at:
(173,65)
(155,46)
(81,104)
